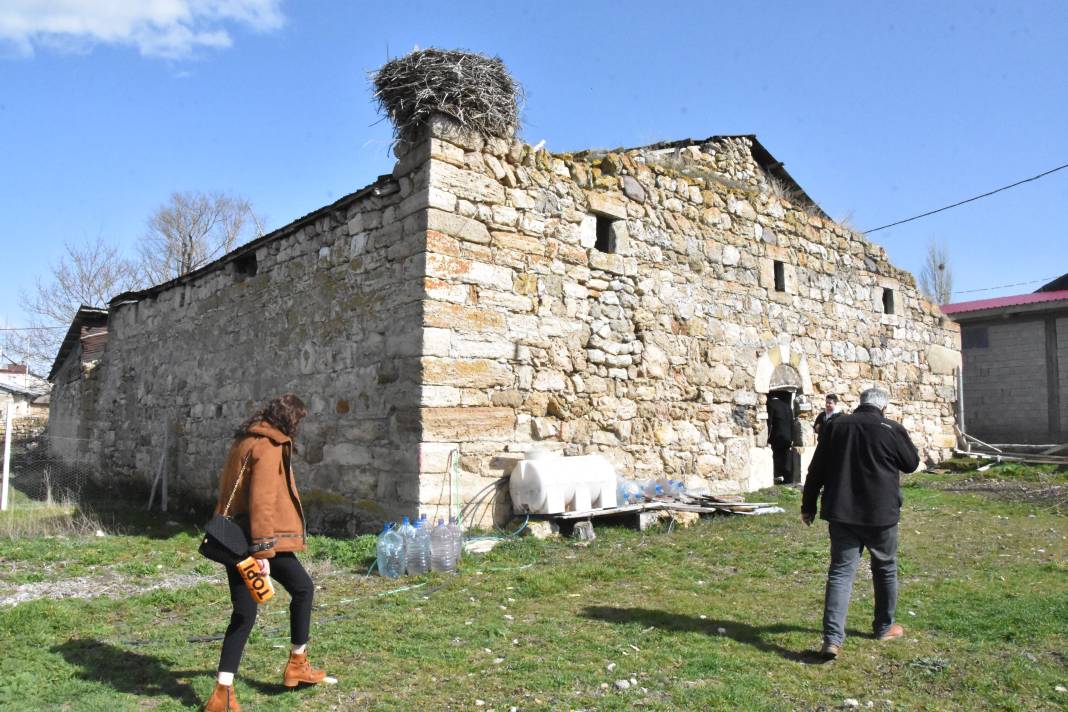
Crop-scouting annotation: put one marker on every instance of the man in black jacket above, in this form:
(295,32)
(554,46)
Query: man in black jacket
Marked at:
(856,464)
(780,434)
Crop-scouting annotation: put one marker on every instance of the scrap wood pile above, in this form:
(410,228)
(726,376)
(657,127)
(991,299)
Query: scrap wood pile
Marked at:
(1050,454)
(475,90)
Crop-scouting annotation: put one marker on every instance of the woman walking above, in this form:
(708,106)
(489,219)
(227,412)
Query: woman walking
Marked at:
(266,504)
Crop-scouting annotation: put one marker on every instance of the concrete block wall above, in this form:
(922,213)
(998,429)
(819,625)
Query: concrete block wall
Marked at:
(1005,388)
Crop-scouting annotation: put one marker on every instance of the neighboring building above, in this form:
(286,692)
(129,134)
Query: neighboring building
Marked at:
(1015,353)
(72,418)
(488,297)
(20,376)
(26,391)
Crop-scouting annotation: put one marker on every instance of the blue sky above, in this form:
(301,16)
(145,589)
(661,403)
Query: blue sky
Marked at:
(879,112)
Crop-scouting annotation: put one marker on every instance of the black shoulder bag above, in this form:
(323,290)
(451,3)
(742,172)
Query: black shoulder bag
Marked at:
(225,541)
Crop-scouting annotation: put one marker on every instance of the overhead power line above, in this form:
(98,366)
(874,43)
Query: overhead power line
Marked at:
(31,328)
(1005,286)
(969,200)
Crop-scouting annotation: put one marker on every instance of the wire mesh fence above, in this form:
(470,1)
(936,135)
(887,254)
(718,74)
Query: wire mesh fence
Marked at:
(44,469)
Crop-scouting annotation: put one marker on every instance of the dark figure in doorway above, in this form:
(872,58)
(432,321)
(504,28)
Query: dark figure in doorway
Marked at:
(780,433)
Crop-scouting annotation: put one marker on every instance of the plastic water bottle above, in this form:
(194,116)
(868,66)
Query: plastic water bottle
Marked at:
(673,488)
(457,533)
(390,550)
(442,550)
(407,532)
(628,492)
(417,552)
(652,489)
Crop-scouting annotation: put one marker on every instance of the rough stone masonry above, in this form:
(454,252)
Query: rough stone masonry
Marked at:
(489,298)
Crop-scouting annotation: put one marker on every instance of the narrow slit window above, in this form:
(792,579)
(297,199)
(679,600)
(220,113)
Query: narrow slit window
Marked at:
(888,300)
(780,276)
(605,240)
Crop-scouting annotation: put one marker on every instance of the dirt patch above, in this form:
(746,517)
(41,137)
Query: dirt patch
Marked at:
(106,583)
(1041,493)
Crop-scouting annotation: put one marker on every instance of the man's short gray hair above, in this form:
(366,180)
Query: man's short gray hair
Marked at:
(876,397)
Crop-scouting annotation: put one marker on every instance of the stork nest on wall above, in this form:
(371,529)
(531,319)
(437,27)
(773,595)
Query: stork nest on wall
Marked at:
(475,90)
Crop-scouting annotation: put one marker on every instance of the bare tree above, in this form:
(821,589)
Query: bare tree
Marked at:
(936,278)
(193,229)
(91,274)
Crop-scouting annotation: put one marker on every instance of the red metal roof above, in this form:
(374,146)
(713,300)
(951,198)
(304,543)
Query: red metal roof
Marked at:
(999,302)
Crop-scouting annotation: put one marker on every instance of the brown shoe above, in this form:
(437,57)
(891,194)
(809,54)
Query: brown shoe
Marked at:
(299,670)
(830,651)
(222,700)
(892,633)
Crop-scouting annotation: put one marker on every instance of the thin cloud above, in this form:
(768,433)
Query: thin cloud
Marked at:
(170,29)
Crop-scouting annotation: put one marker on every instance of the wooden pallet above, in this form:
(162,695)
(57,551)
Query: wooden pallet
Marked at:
(645,514)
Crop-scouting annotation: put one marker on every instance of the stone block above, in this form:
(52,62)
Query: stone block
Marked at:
(469,271)
(467,424)
(455,316)
(520,243)
(439,396)
(468,184)
(606,261)
(612,205)
(468,229)
(469,373)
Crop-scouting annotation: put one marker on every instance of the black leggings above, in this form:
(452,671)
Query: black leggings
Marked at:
(287,570)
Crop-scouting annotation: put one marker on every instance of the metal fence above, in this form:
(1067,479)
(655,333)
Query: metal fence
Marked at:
(36,473)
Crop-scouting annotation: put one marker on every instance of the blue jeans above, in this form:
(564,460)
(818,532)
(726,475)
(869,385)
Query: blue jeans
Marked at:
(847,544)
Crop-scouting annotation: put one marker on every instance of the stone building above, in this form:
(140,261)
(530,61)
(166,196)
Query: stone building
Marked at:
(1015,375)
(487,298)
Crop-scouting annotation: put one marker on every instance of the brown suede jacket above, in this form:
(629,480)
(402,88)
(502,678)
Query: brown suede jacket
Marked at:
(266,502)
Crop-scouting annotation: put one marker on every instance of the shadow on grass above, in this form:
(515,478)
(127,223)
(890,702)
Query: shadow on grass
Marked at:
(755,636)
(129,672)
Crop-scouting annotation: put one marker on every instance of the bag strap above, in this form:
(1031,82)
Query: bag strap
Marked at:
(244,468)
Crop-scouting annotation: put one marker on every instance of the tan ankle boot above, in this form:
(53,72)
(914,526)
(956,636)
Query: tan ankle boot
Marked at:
(222,700)
(299,670)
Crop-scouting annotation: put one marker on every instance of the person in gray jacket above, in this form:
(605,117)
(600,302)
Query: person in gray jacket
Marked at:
(857,466)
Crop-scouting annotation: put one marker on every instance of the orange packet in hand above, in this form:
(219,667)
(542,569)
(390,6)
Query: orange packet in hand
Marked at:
(258,585)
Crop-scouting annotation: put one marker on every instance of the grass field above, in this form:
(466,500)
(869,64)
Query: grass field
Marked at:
(723,615)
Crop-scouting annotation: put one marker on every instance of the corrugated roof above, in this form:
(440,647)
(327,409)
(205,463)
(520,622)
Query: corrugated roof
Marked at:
(1004,302)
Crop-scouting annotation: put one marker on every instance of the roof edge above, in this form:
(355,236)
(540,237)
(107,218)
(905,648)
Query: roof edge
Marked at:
(138,295)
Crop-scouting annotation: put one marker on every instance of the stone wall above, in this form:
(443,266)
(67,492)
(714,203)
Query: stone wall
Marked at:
(328,307)
(72,411)
(657,349)
(488,299)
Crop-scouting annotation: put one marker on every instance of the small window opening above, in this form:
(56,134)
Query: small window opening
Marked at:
(888,300)
(780,276)
(245,266)
(605,240)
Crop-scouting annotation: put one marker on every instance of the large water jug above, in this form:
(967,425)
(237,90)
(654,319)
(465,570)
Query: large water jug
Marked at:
(390,552)
(442,549)
(457,533)
(417,552)
(407,532)
(628,492)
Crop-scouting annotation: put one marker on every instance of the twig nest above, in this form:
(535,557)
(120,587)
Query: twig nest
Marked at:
(474,90)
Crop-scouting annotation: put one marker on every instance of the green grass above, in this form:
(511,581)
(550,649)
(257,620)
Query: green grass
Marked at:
(723,615)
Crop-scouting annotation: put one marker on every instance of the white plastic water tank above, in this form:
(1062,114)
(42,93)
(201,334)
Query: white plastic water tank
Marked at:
(551,484)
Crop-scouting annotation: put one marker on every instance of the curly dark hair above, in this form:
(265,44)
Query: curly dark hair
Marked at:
(283,412)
